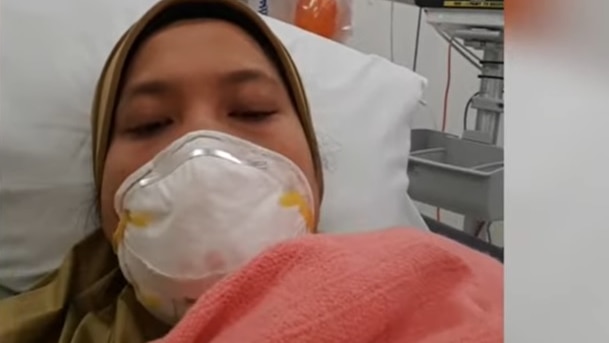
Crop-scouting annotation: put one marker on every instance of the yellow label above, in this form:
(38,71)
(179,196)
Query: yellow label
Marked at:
(474,4)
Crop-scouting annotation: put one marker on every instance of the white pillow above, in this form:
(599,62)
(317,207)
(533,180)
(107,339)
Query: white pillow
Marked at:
(362,106)
(51,53)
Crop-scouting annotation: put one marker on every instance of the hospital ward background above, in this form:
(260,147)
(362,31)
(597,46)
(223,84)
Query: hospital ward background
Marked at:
(458,48)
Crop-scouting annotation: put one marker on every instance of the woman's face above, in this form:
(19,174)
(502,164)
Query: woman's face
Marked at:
(199,75)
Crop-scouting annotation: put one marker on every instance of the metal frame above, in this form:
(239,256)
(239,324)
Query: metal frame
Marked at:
(477,35)
(481,30)
(465,239)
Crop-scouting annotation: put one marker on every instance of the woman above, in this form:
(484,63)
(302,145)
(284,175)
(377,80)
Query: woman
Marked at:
(204,158)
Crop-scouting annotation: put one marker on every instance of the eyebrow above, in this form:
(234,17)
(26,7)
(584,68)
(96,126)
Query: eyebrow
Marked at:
(246,76)
(159,87)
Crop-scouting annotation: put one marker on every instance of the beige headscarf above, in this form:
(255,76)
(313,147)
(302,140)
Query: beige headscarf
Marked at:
(87,299)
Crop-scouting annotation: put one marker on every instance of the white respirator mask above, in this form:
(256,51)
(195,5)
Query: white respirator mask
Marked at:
(201,209)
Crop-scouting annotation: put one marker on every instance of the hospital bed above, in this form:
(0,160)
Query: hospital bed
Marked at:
(465,174)
(464,238)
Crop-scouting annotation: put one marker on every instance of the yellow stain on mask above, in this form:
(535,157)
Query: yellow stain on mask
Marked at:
(295,199)
(150,301)
(138,220)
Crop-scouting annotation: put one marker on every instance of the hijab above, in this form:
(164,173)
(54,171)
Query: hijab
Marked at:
(87,299)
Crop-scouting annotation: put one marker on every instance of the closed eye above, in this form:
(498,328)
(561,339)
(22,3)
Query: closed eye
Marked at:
(149,129)
(252,116)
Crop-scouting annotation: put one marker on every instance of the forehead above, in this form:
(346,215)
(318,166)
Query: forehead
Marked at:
(214,45)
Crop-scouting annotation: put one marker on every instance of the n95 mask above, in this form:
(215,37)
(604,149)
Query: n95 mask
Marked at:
(201,209)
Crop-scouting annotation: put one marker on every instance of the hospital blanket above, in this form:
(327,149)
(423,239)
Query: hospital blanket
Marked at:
(396,285)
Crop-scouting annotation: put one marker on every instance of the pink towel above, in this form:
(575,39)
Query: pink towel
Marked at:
(395,285)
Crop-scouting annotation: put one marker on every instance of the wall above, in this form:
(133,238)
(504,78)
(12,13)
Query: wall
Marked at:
(372,34)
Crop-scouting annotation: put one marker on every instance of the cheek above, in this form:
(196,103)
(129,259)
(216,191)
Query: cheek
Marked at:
(305,162)
(109,219)
(298,151)
(119,165)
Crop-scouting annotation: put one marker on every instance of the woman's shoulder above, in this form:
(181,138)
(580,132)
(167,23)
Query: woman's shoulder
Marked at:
(422,257)
(409,241)
(82,283)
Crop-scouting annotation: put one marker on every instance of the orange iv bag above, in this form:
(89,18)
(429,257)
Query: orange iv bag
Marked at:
(318,16)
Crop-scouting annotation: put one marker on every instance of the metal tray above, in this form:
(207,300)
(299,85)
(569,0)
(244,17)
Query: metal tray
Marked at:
(455,174)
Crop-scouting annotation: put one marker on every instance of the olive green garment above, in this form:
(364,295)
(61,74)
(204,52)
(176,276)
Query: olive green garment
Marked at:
(86,300)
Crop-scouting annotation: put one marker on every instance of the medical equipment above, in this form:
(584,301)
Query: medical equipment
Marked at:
(465,175)
(468,4)
(331,19)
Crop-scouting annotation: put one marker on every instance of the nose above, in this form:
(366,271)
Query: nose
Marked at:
(204,118)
